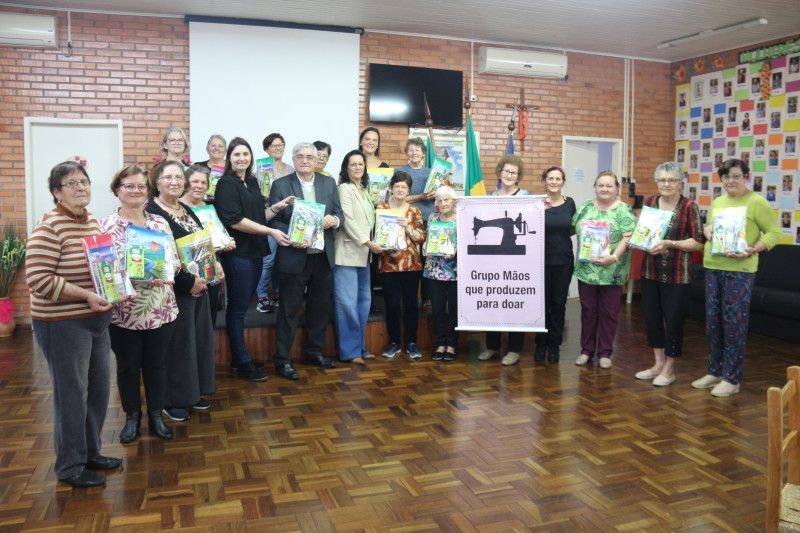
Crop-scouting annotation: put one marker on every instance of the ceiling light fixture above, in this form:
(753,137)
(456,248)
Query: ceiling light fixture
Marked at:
(710,33)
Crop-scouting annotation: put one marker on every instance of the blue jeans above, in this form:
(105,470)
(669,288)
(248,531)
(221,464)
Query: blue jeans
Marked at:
(241,278)
(351,300)
(266,271)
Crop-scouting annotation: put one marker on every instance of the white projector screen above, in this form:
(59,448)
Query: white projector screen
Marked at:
(250,81)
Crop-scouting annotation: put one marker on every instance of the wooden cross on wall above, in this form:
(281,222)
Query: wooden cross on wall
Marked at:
(521,112)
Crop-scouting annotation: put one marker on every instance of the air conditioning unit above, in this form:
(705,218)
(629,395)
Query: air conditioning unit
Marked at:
(28,31)
(522,63)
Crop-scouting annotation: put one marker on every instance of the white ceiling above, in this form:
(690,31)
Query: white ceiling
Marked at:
(630,28)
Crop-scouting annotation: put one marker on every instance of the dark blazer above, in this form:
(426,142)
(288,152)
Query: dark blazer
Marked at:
(290,259)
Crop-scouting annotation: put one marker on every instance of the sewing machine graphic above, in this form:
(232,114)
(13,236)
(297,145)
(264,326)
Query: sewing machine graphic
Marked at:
(512,228)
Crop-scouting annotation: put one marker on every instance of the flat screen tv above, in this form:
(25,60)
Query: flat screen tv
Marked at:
(395,95)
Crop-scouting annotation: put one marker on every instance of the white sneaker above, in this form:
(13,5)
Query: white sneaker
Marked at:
(706,382)
(510,358)
(646,374)
(723,389)
(582,359)
(663,381)
(605,362)
(486,355)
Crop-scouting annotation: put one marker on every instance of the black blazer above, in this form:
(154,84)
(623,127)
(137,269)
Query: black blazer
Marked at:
(290,259)
(184,281)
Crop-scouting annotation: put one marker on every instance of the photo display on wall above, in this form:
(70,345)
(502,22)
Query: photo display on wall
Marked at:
(748,112)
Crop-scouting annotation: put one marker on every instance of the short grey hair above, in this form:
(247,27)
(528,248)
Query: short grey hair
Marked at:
(444,192)
(670,167)
(172,129)
(302,146)
(218,137)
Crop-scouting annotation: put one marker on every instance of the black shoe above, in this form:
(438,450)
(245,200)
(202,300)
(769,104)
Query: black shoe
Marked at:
(131,431)
(286,370)
(540,353)
(235,366)
(553,354)
(319,360)
(157,425)
(251,372)
(449,357)
(178,414)
(102,462)
(264,305)
(85,478)
(437,356)
(202,405)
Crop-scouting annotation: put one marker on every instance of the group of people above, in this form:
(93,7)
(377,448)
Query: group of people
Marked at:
(163,335)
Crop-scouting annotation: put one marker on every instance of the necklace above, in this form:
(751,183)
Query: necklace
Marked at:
(168,207)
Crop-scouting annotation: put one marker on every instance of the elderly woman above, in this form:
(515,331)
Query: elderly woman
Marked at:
(729,280)
(369,142)
(559,262)
(142,327)
(275,146)
(440,271)
(509,171)
(195,188)
(399,272)
(415,153)
(600,280)
(240,206)
(215,148)
(190,355)
(175,146)
(70,322)
(351,288)
(666,275)
(323,154)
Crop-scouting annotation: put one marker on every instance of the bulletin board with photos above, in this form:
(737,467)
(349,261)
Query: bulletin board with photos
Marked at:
(749,112)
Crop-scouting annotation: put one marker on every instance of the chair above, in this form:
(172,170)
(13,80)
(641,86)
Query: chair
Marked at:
(783,501)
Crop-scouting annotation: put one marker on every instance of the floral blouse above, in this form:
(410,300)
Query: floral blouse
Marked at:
(438,267)
(152,307)
(408,260)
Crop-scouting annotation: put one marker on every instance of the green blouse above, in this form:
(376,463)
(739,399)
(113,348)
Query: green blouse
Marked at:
(622,220)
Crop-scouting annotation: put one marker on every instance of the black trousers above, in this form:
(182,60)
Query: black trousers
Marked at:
(313,282)
(444,311)
(213,302)
(665,307)
(400,291)
(516,339)
(556,290)
(142,351)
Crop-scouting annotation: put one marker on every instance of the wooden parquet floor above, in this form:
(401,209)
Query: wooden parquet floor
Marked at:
(424,446)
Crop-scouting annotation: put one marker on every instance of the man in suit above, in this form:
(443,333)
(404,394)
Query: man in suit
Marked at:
(305,271)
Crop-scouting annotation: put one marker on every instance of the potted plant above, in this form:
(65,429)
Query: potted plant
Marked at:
(12,254)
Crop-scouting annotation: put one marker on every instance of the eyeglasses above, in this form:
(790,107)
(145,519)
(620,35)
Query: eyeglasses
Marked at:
(176,141)
(73,184)
(172,179)
(732,177)
(509,172)
(277,146)
(301,157)
(131,187)
(667,181)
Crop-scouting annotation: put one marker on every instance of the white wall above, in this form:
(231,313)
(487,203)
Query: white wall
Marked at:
(249,81)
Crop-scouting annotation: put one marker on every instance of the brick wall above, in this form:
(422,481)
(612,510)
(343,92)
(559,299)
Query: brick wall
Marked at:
(136,69)
(130,68)
(589,103)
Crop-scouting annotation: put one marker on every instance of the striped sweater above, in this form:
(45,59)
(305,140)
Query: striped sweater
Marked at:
(54,258)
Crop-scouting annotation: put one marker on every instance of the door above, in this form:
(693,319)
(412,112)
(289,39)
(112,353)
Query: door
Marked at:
(583,158)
